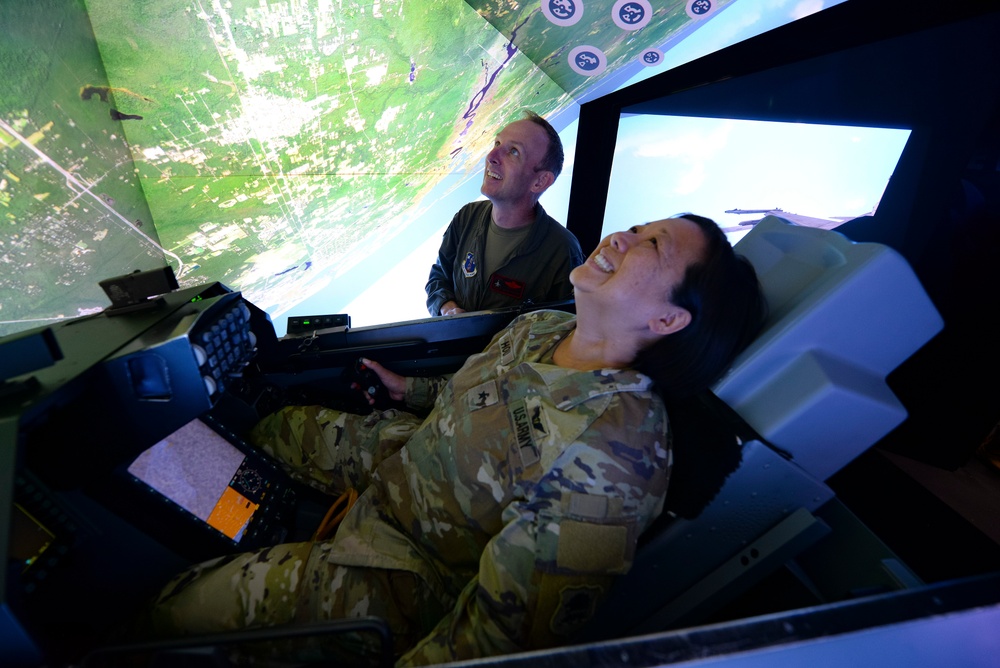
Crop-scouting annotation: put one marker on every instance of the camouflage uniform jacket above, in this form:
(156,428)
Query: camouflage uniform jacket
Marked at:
(520,497)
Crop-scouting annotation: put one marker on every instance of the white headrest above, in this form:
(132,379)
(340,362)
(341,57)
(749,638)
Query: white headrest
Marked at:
(842,316)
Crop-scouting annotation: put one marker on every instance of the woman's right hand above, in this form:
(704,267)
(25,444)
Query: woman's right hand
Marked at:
(394,384)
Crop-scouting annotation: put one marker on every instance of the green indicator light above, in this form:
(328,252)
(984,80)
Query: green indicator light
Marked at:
(305,322)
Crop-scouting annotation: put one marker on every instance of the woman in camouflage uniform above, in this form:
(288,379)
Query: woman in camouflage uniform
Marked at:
(499,522)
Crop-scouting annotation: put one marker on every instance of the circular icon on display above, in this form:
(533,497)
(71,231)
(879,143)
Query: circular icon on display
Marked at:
(563,12)
(700,9)
(651,57)
(632,14)
(587,60)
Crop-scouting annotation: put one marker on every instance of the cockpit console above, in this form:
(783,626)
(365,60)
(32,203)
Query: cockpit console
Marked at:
(124,454)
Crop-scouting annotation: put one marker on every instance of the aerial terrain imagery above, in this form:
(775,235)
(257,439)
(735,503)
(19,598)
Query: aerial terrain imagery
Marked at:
(287,149)
(263,145)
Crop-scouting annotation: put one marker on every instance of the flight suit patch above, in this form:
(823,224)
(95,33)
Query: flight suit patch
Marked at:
(482,395)
(469,267)
(509,287)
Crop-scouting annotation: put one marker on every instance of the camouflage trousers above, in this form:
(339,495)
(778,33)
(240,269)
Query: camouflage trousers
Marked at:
(329,449)
(295,583)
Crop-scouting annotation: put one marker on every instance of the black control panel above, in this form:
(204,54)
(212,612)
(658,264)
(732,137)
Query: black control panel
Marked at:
(306,324)
(223,344)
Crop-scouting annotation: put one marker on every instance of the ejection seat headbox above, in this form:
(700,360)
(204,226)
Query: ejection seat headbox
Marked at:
(843,315)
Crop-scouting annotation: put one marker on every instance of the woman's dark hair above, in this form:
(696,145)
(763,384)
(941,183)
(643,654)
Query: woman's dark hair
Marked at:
(727,308)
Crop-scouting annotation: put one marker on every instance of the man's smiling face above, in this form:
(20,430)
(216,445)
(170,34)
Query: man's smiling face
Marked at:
(510,175)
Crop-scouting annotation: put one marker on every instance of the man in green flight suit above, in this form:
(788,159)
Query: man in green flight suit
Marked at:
(499,522)
(506,251)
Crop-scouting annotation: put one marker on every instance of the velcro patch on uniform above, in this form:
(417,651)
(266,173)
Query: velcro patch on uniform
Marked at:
(589,505)
(593,506)
(482,395)
(521,423)
(509,287)
(506,349)
(585,547)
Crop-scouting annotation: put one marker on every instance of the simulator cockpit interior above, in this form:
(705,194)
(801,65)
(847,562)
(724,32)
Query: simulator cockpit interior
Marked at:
(214,210)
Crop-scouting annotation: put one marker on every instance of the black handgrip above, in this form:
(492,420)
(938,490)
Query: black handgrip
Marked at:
(368,381)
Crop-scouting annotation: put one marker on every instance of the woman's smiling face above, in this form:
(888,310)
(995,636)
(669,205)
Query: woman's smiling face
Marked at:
(636,270)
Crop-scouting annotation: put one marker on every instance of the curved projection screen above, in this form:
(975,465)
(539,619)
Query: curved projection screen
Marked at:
(296,150)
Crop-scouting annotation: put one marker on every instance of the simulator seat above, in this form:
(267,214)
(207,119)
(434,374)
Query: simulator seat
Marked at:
(812,392)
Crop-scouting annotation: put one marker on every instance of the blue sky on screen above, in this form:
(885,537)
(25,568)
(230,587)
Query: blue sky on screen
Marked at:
(708,166)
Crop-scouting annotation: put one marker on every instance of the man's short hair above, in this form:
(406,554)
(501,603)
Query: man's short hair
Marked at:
(553,159)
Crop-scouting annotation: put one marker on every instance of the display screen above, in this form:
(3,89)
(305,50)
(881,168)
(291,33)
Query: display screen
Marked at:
(203,473)
(737,171)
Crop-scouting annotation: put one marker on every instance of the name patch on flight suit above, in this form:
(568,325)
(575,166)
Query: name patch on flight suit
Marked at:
(521,422)
(509,287)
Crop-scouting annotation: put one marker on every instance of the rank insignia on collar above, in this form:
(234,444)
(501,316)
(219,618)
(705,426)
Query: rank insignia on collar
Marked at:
(469,266)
